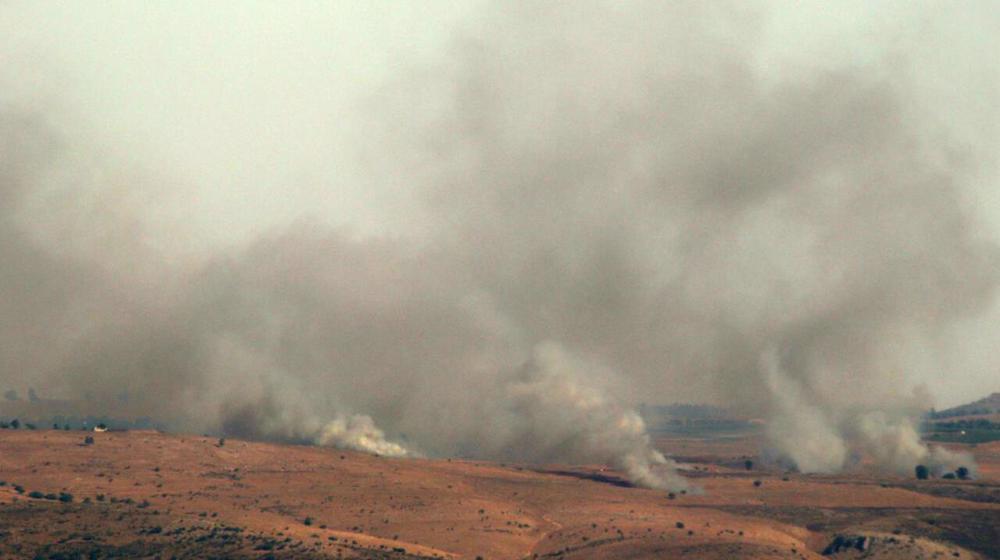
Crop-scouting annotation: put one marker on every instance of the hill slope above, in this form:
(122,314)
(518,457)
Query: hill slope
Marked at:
(146,494)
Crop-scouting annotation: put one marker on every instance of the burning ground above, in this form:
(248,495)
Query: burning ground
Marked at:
(573,211)
(145,494)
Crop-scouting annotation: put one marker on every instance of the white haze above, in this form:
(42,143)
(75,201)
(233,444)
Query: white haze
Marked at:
(488,232)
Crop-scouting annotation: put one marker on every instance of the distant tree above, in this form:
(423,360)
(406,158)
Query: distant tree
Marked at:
(32,395)
(55,426)
(15,423)
(11,395)
(29,425)
(66,427)
(962,473)
(922,472)
(222,442)
(748,464)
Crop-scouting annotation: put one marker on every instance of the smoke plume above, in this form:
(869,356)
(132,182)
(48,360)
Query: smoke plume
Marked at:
(590,207)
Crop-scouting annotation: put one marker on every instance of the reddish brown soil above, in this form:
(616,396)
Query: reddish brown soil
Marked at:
(162,493)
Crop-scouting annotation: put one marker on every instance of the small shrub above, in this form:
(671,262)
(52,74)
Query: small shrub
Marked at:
(89,440)
(15,423)
(222,442)
(35,494)
(29,425)
(757,483)
(679,524)
(65,497)
(308,521)
(949,476)
(962,473)
(922,472)
(748,464)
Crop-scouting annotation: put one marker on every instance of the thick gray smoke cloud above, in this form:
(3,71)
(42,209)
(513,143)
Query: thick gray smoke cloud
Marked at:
(606,203)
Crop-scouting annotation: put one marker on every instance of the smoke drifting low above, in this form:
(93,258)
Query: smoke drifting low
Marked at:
(599,206)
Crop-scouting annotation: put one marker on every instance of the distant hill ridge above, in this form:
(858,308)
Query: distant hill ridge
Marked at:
(987,405)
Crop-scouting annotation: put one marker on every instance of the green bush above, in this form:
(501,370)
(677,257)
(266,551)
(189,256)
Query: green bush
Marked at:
(922,472)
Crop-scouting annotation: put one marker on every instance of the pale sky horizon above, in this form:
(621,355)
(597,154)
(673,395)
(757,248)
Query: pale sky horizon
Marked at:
(252,112)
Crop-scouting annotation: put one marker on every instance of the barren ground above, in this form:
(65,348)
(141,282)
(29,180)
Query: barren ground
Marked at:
(151,495)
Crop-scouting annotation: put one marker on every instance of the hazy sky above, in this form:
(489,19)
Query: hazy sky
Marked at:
(253,113)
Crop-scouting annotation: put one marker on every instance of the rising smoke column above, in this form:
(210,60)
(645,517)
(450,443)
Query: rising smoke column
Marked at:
(598,206)
(627,183)
(556,415)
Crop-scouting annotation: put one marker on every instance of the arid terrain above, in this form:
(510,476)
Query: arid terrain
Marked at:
(144,494)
